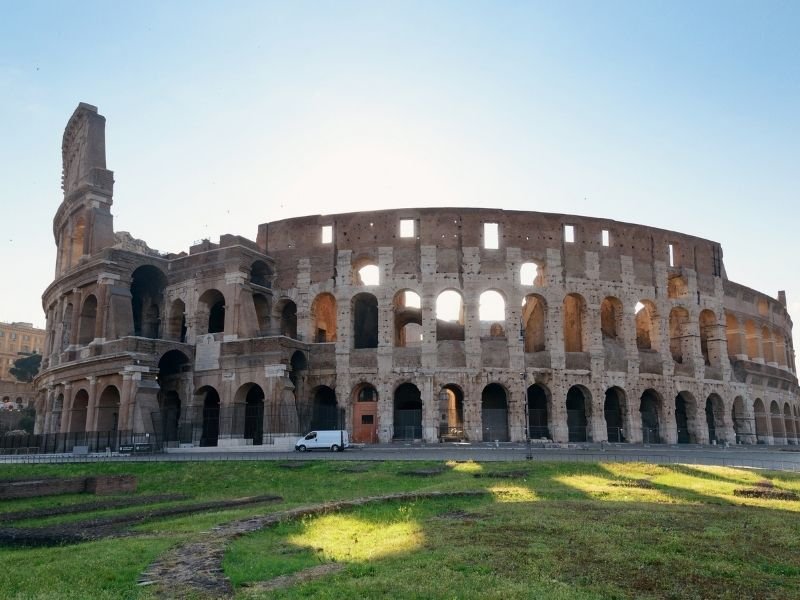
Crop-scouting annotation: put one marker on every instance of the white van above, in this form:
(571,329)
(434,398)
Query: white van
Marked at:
(336,440)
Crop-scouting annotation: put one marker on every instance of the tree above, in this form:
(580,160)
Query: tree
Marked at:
(26,368)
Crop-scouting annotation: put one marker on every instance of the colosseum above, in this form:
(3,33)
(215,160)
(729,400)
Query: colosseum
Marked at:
(432,324)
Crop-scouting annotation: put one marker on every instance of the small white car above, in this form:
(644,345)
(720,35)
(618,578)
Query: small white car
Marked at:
(335,440)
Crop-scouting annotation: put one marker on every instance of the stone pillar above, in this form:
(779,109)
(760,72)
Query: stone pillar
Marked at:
(68,399)
(430,408)
(77,299)
(91,408)
(126,402)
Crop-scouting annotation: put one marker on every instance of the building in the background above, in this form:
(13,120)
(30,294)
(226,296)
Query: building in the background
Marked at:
(436,324)
(17,340)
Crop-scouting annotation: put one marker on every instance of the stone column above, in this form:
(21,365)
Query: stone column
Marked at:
(66,423)
(91,408)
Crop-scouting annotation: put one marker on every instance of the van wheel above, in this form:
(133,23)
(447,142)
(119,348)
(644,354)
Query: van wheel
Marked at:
(301,448)
(334,448)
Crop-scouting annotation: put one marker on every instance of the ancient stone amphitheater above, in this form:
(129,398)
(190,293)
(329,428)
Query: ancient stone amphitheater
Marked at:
(439,324)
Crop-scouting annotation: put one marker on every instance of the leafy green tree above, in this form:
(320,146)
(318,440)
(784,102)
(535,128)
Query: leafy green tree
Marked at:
(26,368)
(28,420)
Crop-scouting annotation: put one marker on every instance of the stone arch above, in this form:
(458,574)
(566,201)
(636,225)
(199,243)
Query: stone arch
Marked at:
(147,299)
(646,325)
(176,322)
(263,308)
(79,412)
(261,274)
(651,410)
(88,320)
(450,316)
(579,402)
(451,411)
(323,318)
(778,431)
(286,311)
(539,403)
(614,410)
(492,311)
(789,424)
(108,409)
(324,409)
(365,320)
(762,424)
(611,318)
(575,315)
(685,418)
(715,420)
(494,413)
(407,306)
(365,413)
(534,317)
(407,412)
(211,309)
(679,339)
(366,271)
(733,335)
(740,422)
(708,327)
(210,403)
(251,395)
(170,406)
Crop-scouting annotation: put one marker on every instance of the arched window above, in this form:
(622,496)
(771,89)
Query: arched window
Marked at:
(574,317)
(88,320)
(533,323)
(407,319)
(449,316)
(323,318)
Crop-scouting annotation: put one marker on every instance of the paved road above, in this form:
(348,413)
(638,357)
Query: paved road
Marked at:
(740,456)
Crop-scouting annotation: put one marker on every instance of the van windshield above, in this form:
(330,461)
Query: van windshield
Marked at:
(312,435)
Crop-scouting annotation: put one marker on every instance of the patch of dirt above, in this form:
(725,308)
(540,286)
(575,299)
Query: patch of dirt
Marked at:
(295,464)
(460,515)
(357,468)
(503,474)
(71,509)
(195,569)
(643,484)
(103,527)
(284,581)
(769,493)
(423,472)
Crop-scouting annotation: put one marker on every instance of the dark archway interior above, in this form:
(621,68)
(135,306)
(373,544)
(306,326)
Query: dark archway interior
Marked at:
(537,412)
(407,412)
(612,410)
(147,297)
(576,415)
(648,409)
(324,410)
(494,413)
(254,415)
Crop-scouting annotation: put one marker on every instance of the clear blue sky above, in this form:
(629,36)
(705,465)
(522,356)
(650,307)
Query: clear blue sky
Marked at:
(682,115)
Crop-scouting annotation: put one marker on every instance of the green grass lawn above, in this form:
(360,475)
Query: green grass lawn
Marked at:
(557,530)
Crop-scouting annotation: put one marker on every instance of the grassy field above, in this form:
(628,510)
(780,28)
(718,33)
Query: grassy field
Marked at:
(546,531)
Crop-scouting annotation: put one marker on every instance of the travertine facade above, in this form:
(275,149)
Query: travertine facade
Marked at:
(601,330)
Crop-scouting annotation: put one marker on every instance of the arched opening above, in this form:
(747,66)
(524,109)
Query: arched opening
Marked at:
(762,426)
(263,308)
(577,422)
(147,298)
(407,319)
(684,413)
(66,326)
(288,318)
(650,405)
(778,432)
(530,273)
(679,334)
(533,323)
(261,274)
(170,416)
(365,321)
(449,316)
(210,430)
(646,324)
(789,425)
(733,335)
(492,313)
(614,412)
(324,411)
(766,344)
(176,324)
(538,401)
(78,241)
(80,405)
(88,320)
(574,316)
(451,413)
(677,287)
(407,412)
(254,414)
(753,340)
(739,419)
(366,272)
(323,319)
(715,410)
(365,414)
(494,413)
(212,306)
(108,410)
(610,318)
(708,326)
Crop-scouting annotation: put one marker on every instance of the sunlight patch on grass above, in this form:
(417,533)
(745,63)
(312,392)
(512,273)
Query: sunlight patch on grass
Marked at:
(346,538)
(470,466)
(512,493)
(602,488)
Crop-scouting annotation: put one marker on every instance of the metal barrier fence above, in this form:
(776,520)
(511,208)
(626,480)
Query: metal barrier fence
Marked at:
(80,442)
